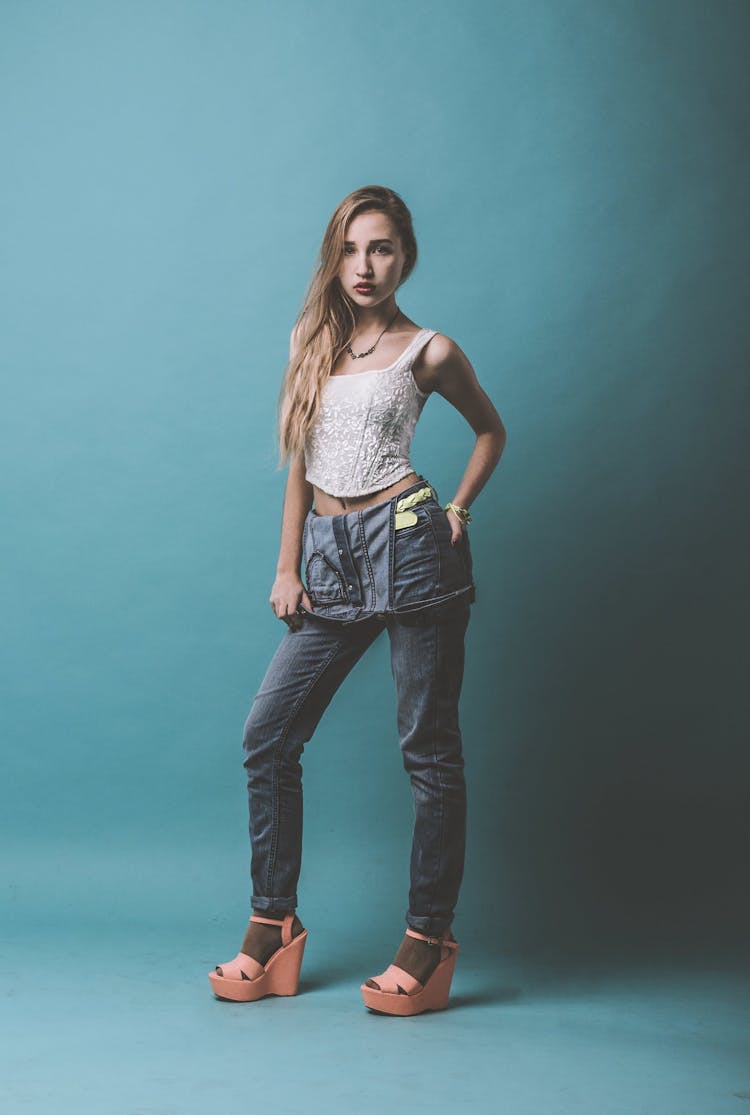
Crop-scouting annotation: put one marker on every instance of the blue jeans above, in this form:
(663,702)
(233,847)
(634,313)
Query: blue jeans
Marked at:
(410,581)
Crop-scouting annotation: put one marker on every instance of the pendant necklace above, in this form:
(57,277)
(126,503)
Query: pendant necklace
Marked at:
(359,355)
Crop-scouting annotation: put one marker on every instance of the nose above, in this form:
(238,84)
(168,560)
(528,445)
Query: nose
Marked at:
(364,270)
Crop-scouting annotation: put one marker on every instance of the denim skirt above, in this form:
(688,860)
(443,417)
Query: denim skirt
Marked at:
(365,563)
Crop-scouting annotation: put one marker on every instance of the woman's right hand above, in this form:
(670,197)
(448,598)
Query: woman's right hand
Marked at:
(287,593)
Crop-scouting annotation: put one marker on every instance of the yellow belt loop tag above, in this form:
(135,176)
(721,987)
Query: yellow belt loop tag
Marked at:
(415,497)
(404,517)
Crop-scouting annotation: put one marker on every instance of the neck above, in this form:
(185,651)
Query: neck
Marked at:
(376,319)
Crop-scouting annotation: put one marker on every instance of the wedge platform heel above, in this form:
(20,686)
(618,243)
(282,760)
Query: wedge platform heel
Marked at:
(400,993)
(245,979)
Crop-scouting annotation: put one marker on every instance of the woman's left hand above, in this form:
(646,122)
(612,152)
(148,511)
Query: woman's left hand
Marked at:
(457,527)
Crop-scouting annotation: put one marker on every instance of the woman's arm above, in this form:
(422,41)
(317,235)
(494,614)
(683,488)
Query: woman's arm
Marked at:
(288,590)
(448,371)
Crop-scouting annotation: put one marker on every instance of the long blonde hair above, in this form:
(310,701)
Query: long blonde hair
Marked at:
(327,319)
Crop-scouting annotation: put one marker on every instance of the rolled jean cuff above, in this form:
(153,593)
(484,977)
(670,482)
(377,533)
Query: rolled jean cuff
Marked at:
(433,927)
(259,903)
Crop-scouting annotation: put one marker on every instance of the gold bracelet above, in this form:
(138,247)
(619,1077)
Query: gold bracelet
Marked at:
(462,512)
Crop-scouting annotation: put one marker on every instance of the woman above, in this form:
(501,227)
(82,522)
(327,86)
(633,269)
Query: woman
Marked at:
(379,553)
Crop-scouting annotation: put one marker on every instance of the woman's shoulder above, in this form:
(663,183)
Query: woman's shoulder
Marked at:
(438,349)
(439,362)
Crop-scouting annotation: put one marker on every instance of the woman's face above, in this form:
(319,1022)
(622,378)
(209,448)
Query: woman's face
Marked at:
(372,255)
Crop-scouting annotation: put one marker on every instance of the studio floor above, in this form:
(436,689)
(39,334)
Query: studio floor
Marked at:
(123,1022)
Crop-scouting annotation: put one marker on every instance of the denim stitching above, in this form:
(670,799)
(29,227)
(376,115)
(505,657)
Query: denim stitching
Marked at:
(436,544)
(420,604)
(436,766)
(367,559)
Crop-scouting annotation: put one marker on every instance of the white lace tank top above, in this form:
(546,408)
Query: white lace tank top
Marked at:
(359,442)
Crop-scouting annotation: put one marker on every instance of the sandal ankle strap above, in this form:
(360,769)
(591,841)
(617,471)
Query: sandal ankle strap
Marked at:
(431,940)
(286,925)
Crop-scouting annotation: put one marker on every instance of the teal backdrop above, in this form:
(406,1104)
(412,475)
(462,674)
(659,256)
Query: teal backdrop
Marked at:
(578,177)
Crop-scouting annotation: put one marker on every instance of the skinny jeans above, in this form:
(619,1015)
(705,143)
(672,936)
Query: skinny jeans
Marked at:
(366,572)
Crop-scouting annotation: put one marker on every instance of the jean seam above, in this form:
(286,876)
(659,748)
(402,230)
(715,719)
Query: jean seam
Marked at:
(366,552)
(276,760)
(436,767)
(420,604)
(436,544)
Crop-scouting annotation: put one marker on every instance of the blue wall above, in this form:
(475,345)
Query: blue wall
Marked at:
(578,176)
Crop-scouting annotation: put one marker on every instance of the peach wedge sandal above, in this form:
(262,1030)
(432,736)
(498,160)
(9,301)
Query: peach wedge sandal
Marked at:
(400,993)
(244,979)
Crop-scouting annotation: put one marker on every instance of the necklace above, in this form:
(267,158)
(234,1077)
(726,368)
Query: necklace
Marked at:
(359,355)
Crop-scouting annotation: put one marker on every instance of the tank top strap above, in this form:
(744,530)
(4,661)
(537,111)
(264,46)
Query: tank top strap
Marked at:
(418,342)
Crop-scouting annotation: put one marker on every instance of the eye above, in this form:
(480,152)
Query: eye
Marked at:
(383,248)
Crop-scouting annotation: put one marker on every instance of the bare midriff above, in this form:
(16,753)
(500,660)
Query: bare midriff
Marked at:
(326,504)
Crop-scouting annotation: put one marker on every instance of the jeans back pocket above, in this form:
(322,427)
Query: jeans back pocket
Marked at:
(325,583)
